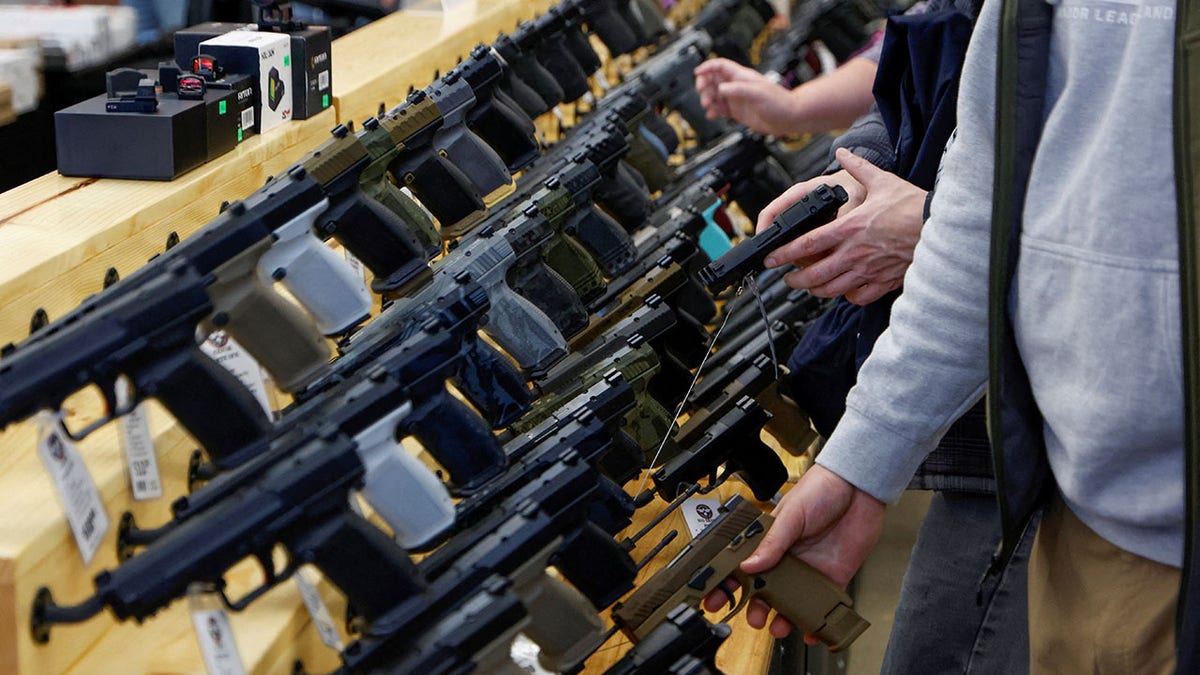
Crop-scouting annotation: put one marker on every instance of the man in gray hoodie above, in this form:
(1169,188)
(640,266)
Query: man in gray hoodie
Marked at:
(1095,313)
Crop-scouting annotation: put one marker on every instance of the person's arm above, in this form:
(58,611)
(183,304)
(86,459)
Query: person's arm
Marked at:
(925,370)
(828,102)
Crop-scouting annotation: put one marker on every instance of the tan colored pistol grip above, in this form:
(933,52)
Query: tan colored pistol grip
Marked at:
(280,336)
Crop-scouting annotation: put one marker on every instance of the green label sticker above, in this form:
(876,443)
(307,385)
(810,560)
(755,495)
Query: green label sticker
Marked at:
(325,101)
(287,60)
(221,107)
(239,134)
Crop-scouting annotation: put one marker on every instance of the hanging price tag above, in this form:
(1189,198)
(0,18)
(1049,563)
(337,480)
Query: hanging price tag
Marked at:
(76,490)
(698,513)
(306,582)
(138,445)
(214,633)
(222,348)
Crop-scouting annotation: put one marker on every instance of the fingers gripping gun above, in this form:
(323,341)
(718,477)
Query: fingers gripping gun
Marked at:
(813,210)
(301,503)
(802,595)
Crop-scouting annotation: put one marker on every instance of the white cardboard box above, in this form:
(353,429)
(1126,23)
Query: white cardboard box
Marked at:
(267,57)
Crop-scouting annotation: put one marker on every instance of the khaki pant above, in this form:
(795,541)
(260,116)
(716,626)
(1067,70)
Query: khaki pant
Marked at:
(1094,608)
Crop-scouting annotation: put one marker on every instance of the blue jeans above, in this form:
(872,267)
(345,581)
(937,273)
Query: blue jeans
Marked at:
(939,627)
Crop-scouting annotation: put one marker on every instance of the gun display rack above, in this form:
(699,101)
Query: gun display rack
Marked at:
(59,236)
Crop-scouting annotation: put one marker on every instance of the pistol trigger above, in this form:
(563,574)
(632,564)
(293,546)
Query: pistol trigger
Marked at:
(268,566)
(743,599)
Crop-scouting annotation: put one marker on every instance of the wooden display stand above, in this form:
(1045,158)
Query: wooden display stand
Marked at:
(58,238)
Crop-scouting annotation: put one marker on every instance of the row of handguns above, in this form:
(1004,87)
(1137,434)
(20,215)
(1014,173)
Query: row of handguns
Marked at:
(599,296)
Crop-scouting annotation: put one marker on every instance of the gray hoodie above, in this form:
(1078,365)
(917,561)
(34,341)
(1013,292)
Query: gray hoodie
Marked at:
(1096,296)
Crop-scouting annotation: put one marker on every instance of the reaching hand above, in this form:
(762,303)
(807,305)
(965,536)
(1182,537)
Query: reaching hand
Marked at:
(824,521)
(731,90)
(864,253)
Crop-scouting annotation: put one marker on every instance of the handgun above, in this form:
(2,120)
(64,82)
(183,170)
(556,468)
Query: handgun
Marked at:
(507,129)
(517,52)
(550,49)
(441,185)
(747,161)
(519,326)
(606,23)
(733,26)
(801,594)
(147,335)
(475,635)
(378,236)
(649,423)
(813,210)
(732,361)
(454,97)
(301,503)
(384,140)
(517,541)
(683,633)
(730,440)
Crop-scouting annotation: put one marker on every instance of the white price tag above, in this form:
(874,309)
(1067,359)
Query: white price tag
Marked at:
(222,348)
(698,513)
(138,445)
(76,490)
(248,119)
(602,80)
(217,645)
(306,582)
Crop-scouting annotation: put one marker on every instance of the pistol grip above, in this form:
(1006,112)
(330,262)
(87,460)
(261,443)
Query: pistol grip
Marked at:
(526,67)
(485,169)
(562,622)
(759,467)
(458,438)
(612,31)
(321,280)
(443,188)
(379,237)
(409,212)
(573,264)
(581,50)
(557,59)
(687,104)
(809,600)
(216,409)
(607,242)
(492,384)
(278,334)
(367,566)
(625,196)
(649,423)
(523,330)
(403,491)
(523,95)
(647,161)
(502,125)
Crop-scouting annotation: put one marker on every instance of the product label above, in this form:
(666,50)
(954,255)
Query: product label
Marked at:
(138,445)
(323,80)
(307,583)
(76,490)
(248,118)
(698,513)
(222,348)
(217,645)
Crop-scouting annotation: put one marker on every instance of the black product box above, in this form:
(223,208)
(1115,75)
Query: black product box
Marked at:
(312,71)
(240,105)
(148,146)
(187,40)
(222,126)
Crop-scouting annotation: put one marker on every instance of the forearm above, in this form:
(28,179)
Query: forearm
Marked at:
(931,364)
(833,101)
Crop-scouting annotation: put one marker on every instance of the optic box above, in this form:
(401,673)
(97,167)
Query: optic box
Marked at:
(147,146)
(187,40)
(312,71)
(267,58)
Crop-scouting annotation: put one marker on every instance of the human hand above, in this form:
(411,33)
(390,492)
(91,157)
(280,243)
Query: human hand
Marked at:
(728,89)
(864,253)
(825,522)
